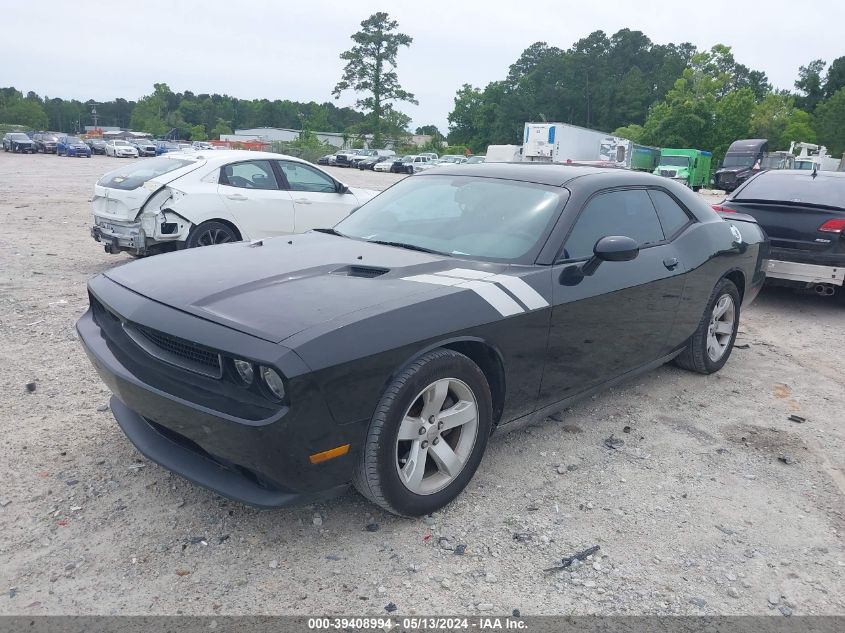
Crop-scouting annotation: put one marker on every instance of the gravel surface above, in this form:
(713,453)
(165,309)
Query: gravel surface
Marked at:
(713,502)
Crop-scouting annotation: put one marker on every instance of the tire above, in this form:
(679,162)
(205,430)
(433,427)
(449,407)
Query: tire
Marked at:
(377,473)
(698,356)
(211,233)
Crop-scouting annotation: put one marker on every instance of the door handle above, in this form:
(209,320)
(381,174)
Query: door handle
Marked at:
(237,196)
(302,201)
(671,263)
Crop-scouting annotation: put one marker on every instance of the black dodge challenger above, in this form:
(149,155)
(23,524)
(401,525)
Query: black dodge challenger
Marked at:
(385,351)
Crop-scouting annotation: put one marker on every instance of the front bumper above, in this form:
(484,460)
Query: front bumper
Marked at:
(173,416)
(805,273)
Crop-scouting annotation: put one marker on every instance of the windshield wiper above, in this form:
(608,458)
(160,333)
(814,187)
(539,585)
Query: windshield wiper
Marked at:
(410,247)
(329,232)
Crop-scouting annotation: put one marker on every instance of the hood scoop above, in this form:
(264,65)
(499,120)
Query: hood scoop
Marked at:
(367,272)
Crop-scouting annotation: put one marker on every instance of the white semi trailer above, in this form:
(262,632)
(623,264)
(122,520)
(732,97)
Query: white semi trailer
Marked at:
(564,143)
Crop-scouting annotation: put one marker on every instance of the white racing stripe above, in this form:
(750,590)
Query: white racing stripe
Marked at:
(495,296)
(532,299)
(486,285)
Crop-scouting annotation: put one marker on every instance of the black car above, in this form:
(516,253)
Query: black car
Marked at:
(383,352)
(743,159)
(18,142)
(803,213)
(370,162)
(97,145)
(144,146)
(46,142)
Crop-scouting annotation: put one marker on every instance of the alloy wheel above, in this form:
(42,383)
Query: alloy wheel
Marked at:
(436,436)
(209,237)
(721,327)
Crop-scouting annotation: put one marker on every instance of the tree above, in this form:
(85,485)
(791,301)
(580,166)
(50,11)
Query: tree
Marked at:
(631,132)
(221,127)
(830,123)
(197,133)
(835,77)
(809,83)
(371,69)
(27,112)
(777,119)
(430,130)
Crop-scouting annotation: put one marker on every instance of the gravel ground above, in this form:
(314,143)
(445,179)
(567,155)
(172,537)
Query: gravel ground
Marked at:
(715,503)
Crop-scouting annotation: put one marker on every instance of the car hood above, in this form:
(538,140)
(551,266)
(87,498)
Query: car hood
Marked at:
(286,285)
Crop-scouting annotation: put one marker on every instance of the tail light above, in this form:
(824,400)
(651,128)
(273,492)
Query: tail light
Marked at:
(833,226)
(718,207)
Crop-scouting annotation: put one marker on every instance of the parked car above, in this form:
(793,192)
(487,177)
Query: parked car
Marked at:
(328,159)
(344,158)
(145,146)
(430,155)
(121,149)
(46,142)
(97,145)
(18,142)
(72,146)
(202,146)
(475,160)
(182,200)
(371,161)
(164,147)
(385,165)
(410,164)
(385,351)
(803,213)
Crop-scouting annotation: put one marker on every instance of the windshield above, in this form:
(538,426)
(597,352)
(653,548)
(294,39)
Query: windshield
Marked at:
(18,136)
(408,159)
(73,140)
(483,218)
(136,174)
(120,143)
(677,161)
(825,189)
(739,160)
(168,146)
(803,164)
(472,160)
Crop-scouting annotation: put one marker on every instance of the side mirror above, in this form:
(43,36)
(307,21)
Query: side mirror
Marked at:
(341,188)
(612,248)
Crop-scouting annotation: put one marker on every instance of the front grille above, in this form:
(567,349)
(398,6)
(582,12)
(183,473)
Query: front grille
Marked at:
(176,351)
(668,173)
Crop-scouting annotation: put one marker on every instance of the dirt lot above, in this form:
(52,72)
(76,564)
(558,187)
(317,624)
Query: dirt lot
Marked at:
(715,503)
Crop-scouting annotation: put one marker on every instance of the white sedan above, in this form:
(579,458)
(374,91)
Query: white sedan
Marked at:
(121,149)
(182,200)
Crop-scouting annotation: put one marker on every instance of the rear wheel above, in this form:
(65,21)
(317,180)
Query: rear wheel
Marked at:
(427,436)
(211,233)
(709,348)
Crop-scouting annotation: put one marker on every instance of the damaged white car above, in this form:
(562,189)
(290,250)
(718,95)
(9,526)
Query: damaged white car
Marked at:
(182,200)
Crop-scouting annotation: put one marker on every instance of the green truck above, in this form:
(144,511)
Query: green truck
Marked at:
(689,166)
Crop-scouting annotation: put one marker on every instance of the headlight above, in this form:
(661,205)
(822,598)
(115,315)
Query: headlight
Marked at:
(245,371)
(273,382)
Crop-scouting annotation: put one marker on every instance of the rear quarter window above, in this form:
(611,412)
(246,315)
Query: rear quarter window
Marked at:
(136,174)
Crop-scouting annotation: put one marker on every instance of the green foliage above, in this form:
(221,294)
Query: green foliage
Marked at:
(835,77)
(221,127)
(429,129)
(197,133)
(631,132)
(830,123)
(308,147)
(19,110)
(777,119)
(809,84)
(371,70)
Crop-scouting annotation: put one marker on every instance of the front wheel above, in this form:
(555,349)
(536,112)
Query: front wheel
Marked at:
(427,436)
(709,348)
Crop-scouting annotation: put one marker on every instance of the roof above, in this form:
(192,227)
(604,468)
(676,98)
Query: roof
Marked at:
(556,175)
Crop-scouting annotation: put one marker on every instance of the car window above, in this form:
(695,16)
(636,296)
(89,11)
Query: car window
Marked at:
(672,217)
(796,187)
(253,174)
(475,217)
(627,212)
(301,177)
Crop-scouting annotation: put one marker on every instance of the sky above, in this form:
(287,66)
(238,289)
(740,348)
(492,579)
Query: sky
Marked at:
(103,49)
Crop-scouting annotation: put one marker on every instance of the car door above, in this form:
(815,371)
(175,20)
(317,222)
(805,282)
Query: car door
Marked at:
(317,200)
(250,190)
(621,317)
